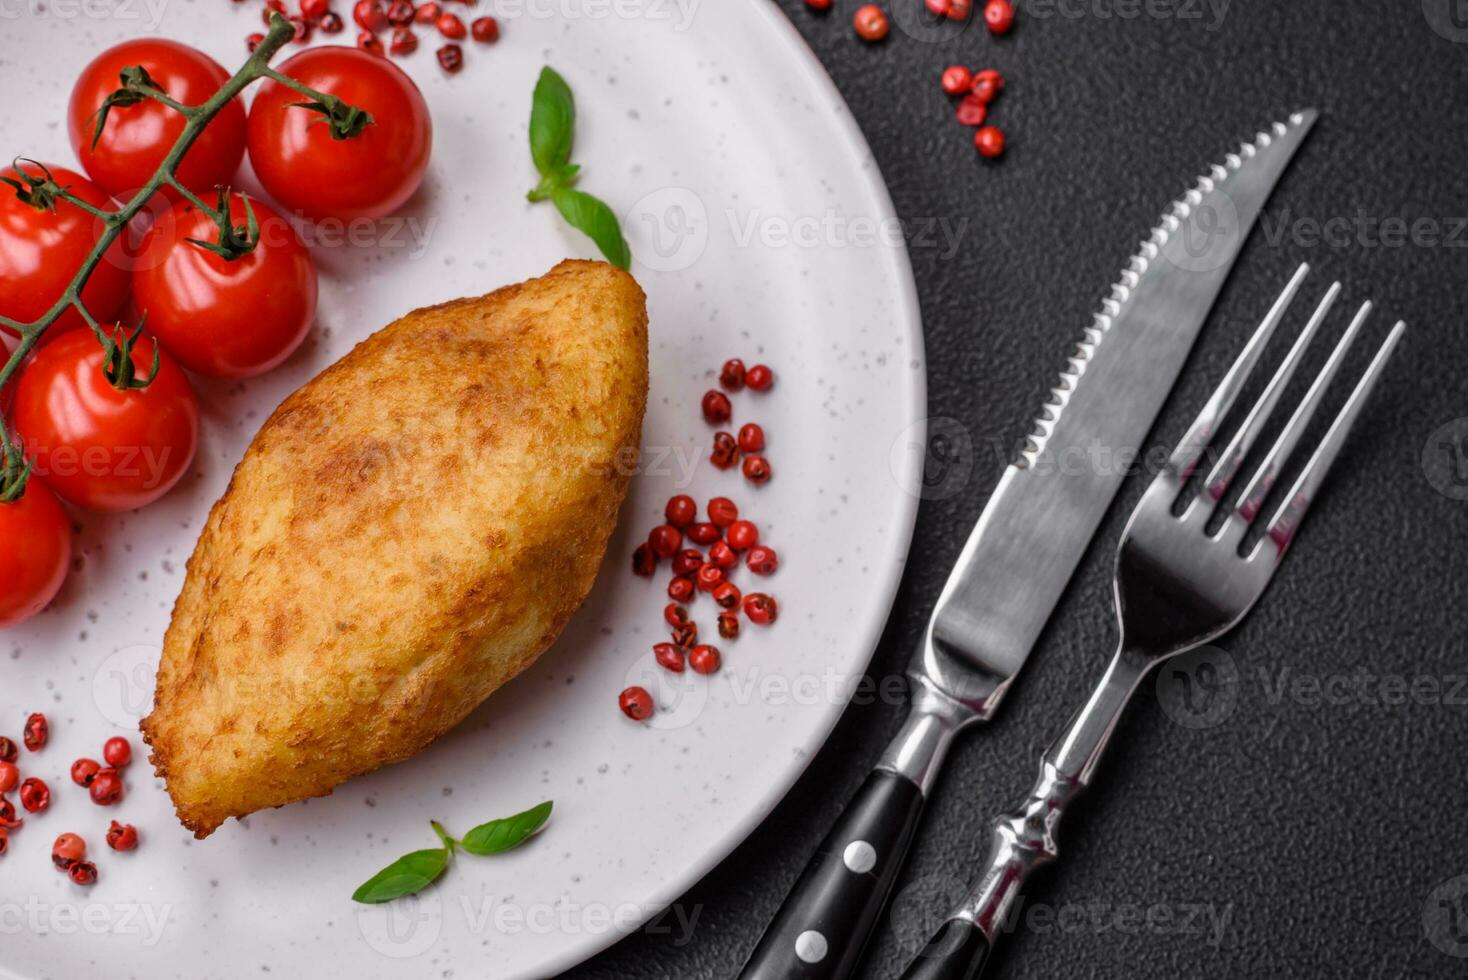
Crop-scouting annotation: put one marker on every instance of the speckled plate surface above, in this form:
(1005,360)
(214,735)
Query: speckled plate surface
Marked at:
(762,230)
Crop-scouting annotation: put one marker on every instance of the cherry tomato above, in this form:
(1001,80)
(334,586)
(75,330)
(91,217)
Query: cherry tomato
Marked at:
(138,137)
(226,319)
(40,252)
(366,176)
(35,548)
(98,447)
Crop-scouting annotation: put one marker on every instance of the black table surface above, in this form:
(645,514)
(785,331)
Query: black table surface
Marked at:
(1304,814)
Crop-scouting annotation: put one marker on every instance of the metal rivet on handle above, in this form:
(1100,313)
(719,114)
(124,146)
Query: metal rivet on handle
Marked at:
(811,947)
(860,856)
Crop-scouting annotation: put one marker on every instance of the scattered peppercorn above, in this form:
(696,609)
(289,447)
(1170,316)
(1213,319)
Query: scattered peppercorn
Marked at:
(451,58)
(451,27)
(118,752)
(972,111)
(704,659)
(486,30)
(82,873)
(759,378)
(710,576)
(762,560)
(957,79)
(703,533)
(636,703)
(83,771)
(669,656)
(742,535)
(403,42)
(681,511)
(990,142)
(687,561)
(680,589)
(716,407)
(987,84)
(760,608)
(35,795)
(751,438)
(722,555)
(68,850)
(999,16)
(36,732)
(686,635)
(122,837)
(9,777)
(106,788)
(727,595)
(729,625)
(644,562)
(731,375)
(725,452)
(871,23)
(756,469)
(722,511)
(8,751)
(665,540)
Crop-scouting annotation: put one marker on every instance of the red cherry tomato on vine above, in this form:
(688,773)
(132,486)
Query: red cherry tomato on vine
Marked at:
(35,548)
(367,176)
(138,137)
(40,252)
(98,447)
(226,319)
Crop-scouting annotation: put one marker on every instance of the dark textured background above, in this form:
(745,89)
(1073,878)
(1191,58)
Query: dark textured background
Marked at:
(1320,830)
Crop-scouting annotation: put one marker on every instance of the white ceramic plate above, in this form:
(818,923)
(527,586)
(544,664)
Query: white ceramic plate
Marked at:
(762,230)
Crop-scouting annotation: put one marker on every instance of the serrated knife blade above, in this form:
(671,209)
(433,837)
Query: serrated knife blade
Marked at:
(1042,515)
(1034,529)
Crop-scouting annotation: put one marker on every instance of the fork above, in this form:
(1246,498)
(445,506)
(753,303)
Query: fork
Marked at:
(1178,584)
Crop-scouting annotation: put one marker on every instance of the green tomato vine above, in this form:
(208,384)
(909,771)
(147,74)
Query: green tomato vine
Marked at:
(40,191)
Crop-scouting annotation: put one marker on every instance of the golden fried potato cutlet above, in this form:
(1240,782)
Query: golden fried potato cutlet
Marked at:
(406,533)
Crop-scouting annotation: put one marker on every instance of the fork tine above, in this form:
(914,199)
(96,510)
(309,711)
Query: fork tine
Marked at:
(1263,481)
(1243,440)
(1291,513)
(1185,457)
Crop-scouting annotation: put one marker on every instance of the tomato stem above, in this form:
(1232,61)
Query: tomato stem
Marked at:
(43,192)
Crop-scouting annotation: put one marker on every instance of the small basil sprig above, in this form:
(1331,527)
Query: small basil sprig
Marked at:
(412,873)
(552,127)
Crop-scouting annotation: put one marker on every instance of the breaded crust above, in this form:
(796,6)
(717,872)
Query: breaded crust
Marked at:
(408,531)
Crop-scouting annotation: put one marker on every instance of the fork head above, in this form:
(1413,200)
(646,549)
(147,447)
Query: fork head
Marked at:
(1178,584)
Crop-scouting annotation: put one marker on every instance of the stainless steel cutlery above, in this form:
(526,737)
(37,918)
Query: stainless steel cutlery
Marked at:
(1031,535)
(1182,579)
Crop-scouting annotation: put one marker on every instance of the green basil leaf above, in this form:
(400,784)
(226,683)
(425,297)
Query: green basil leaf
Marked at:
(552,123)
(592,216)
(408,875)
(499,836)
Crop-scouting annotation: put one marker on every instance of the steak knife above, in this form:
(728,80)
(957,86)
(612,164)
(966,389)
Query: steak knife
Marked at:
(1031,535)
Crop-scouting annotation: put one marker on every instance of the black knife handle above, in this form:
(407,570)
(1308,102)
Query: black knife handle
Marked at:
(823,927)
(957,951)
